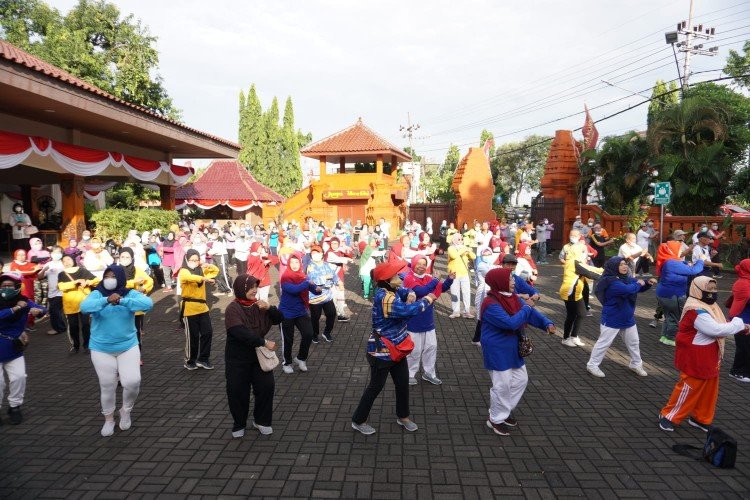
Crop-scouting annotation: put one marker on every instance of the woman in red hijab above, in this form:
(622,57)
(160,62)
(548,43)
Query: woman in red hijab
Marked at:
(258,265)
(295,306)
(29,271)
(504,318)
(741,308)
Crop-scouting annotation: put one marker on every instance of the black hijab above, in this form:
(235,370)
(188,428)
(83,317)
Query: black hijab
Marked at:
(121,289)
(610,275)
(13,301)
(129,270)
(167,242)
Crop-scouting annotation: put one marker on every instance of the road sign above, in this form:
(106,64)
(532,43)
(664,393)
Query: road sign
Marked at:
(662,193)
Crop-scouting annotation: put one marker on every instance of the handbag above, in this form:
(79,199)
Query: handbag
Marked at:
(525,345)
(30,230)
(266,358)
(397,351)
(19,343)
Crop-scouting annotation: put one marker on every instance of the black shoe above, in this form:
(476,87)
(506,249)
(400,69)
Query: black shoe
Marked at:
(190,365)
(343,319)
(206,365)
(327,337)
(510,421)
(695,423)
(315,340)
(14,413)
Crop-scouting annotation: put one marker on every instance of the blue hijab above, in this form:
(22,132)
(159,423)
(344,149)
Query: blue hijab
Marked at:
(610,275)
(121,288)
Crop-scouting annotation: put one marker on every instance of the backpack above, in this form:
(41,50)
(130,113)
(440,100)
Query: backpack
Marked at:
(720,449)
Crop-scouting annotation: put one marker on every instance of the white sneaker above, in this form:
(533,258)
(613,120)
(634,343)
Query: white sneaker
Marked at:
(238,434)
(455,315)
(108,428)
(652,324)
(288,369)
(639,371)
(577,341)
(412,381)
(365,428)
(125,421)
(595,371)
(302,365)
(569,342)
(265,430)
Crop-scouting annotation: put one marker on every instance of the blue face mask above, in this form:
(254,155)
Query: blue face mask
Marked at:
(489,259)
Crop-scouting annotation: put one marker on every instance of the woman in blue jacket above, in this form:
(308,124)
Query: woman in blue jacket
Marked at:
(14,312)
(295,306)
(114,343)
(504,318)
(618,292)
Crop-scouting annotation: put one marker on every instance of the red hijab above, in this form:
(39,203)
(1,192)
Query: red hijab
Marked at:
(498,280)
(256,266)
(296,277)
(741,288)
(521,253)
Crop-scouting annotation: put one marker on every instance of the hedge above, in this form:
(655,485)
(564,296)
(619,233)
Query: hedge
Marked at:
(116,222)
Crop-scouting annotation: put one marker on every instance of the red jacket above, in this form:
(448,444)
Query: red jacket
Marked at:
(699,361)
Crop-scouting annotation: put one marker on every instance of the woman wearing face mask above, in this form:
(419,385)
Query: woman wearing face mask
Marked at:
(136,280)
(740,308)
(29,271)
(73,251)
(698,354)
(75,283)
(618,292)
(526,267)
(153,259)
(193,308)
(14,311)
(166,251)
(241,252)
(114,343)
(339,258)
(218,254)
(486,262)
(459,257)
(258,265)
(324,276)
(429,249)
(85,244)
(393,305)
(247,321)
(97,260)
(295,306)
(19,221)
(50,271)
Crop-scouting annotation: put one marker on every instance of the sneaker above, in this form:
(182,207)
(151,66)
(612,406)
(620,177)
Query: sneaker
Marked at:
(476,343)
(287,368)
(431,379)
(74,350)
(638,370)
(589,314)
(125,421)
(510,421)
(302,365)
(342,319)
(206,365)
(695,423)
(468,315)
(364,428)
(190,365)
(108,428)
(315,340)
(53,332)
(577,341)
(664,340)
(569,342)
(408,425)
(653,324)
(15,415)
(327,337)
(666,425)
(499,429)
(595,371)
(265,430)
(412,381)
(455,315)
(740,378)
(238,433)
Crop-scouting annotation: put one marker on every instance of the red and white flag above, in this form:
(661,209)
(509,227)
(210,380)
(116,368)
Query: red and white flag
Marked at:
(590,134)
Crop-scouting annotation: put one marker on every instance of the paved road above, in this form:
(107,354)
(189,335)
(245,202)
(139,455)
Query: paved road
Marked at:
(578,436)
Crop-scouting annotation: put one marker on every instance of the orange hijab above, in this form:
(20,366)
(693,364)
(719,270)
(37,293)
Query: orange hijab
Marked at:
(667,251)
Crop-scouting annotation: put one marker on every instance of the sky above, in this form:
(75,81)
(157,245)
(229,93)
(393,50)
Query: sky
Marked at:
(514,68)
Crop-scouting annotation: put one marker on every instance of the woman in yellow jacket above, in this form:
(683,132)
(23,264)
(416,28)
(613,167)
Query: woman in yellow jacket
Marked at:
(575,273)
(459,257)
(76,282)
(193,307)
(139,281)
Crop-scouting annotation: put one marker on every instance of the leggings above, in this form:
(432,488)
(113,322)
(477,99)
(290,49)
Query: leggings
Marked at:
(124,366)
(304,326)
(575,311)
(329,308)
(139,327)
(79,326)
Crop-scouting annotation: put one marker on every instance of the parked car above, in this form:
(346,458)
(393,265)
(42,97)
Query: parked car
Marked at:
(734,211)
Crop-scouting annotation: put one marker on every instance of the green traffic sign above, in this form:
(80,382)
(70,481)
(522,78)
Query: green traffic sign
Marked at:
(662,193)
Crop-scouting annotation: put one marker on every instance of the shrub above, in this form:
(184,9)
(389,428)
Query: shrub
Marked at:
(116,222)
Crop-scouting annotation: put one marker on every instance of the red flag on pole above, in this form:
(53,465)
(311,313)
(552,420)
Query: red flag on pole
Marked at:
(590,134)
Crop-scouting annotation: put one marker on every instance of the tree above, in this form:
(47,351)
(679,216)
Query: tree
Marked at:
(290,161)
(738,65)
(251,138)
(270,173)
(93,42)
(662,97)
(484,137)
(437,183)
(414,156)
(520,165)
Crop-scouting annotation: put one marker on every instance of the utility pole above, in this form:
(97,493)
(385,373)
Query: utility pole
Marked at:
(691,33)
(416,172)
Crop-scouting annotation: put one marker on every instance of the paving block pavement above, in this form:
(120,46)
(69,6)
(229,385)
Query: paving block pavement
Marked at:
(578,436)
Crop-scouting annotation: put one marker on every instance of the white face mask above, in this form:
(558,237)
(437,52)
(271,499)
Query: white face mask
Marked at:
(56,256)
(574,240)
(125,261)
(317,257)
(109,283)
(193,265)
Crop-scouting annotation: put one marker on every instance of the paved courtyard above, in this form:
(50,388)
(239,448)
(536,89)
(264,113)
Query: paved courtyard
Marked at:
(578,436)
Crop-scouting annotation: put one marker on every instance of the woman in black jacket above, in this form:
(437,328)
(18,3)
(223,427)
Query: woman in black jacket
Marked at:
(248,320)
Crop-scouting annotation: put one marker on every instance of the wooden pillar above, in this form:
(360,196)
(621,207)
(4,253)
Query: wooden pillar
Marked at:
(73,216)
(342,164)
(379,164)
(394,165)
(167,195)
(322,167)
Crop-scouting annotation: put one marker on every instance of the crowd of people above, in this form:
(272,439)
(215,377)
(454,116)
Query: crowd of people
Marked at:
(97,292)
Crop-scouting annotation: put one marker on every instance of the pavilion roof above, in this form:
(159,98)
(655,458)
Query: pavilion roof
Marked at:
(357,142)
(227,180)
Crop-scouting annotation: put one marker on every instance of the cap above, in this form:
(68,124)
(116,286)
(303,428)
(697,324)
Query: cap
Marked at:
(510,259)
(17,277)
(387,270)
(678,233)
(704,234)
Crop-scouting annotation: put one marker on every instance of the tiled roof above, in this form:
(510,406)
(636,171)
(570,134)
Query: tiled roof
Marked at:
(227,180)
(359,138)
(15,55)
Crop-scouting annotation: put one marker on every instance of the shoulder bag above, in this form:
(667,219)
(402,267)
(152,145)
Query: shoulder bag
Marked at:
(267,358)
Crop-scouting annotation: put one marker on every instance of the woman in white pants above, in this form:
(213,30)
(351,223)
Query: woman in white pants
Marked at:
(114,343)
(618,293)
(459,257)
